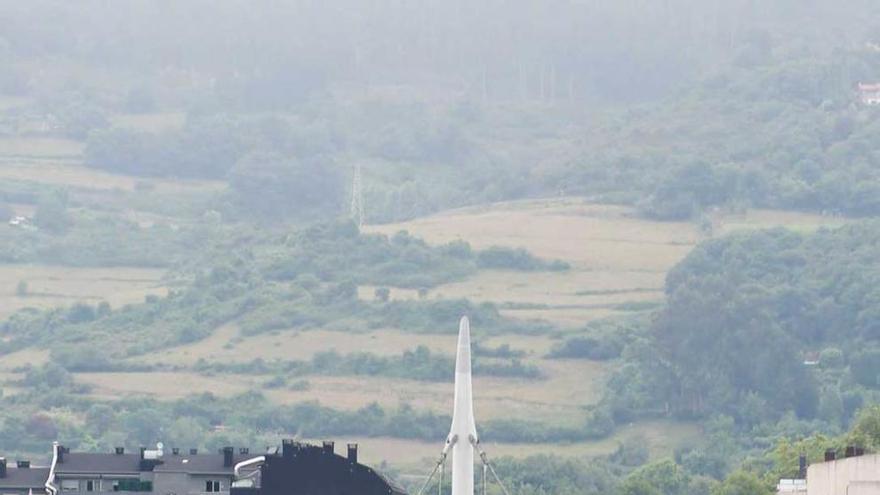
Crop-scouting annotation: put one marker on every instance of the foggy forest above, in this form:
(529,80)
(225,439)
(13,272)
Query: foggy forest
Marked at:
(225,223)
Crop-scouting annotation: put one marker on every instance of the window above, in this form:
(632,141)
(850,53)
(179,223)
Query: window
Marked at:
(212,486)
(132,485)
(69,485)
(90,485)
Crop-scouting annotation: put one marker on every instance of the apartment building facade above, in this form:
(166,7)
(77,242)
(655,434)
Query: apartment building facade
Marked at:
(295,469)
(166,473)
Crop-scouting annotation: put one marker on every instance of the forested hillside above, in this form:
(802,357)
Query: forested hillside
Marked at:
(695,105)
(746,312)
(227,222)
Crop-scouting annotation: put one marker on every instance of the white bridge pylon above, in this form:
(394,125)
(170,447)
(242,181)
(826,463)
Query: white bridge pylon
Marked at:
(462,441)
(462,437)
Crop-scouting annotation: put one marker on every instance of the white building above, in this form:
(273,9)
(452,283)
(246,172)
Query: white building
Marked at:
(870,93)
(858,475)
(791,487)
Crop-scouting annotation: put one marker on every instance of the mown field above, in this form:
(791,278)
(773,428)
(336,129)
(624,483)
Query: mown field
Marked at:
(660,436)
(618,265)
(49,286)
(618,261)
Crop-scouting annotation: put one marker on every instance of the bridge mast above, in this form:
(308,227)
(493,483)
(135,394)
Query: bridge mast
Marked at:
(463,434)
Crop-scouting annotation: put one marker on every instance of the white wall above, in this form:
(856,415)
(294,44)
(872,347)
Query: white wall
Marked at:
(835,477)
(864,488)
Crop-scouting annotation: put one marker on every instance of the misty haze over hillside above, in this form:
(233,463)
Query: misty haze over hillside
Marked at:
(228,223)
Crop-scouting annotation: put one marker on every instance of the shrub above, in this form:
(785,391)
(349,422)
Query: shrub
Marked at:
(602,346)
(382,294)
(497,257)
(831,357)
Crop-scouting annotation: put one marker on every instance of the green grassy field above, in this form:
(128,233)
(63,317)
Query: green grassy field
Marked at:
(616,260)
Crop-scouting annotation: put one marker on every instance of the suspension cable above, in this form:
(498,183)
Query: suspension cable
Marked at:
(487,464)
(440,464)
(431,476)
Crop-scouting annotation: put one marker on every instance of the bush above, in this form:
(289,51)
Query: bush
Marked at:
(50,375)
(497,257)
(81,357)
(51,213)
(382,294)
(588,348)
(831,357)
(276,381)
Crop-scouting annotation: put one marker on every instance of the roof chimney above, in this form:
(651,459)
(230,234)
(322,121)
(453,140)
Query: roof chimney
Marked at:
(227,456)
(287,447)
(802,467)
(23,464)
(193,451)
(60,450)
(2,467)
(328,447)
(830,455)
(120,450)
(143,451)
(352,452)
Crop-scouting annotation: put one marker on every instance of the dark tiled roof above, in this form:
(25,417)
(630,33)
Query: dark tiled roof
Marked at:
(200,463)
(34,477)
(82,462)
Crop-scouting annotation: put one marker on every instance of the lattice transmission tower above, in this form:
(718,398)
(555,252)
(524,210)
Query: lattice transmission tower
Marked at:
(357,197)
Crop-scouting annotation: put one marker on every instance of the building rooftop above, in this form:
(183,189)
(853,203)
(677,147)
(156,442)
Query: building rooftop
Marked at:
(132,463)
(88,462)
(199,463)
(34,477)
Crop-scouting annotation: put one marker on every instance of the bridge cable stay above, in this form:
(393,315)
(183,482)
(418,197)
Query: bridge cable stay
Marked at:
(487,468)
(439,466)
(486,464)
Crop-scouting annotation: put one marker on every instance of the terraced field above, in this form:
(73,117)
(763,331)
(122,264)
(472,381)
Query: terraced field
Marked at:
(660,437)
(618,266)
(618,261)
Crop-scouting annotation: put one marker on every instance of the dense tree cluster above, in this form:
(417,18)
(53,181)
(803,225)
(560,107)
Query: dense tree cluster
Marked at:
(744,315)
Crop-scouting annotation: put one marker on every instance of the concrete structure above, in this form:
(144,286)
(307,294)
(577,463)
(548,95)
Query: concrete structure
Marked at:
(855,475)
